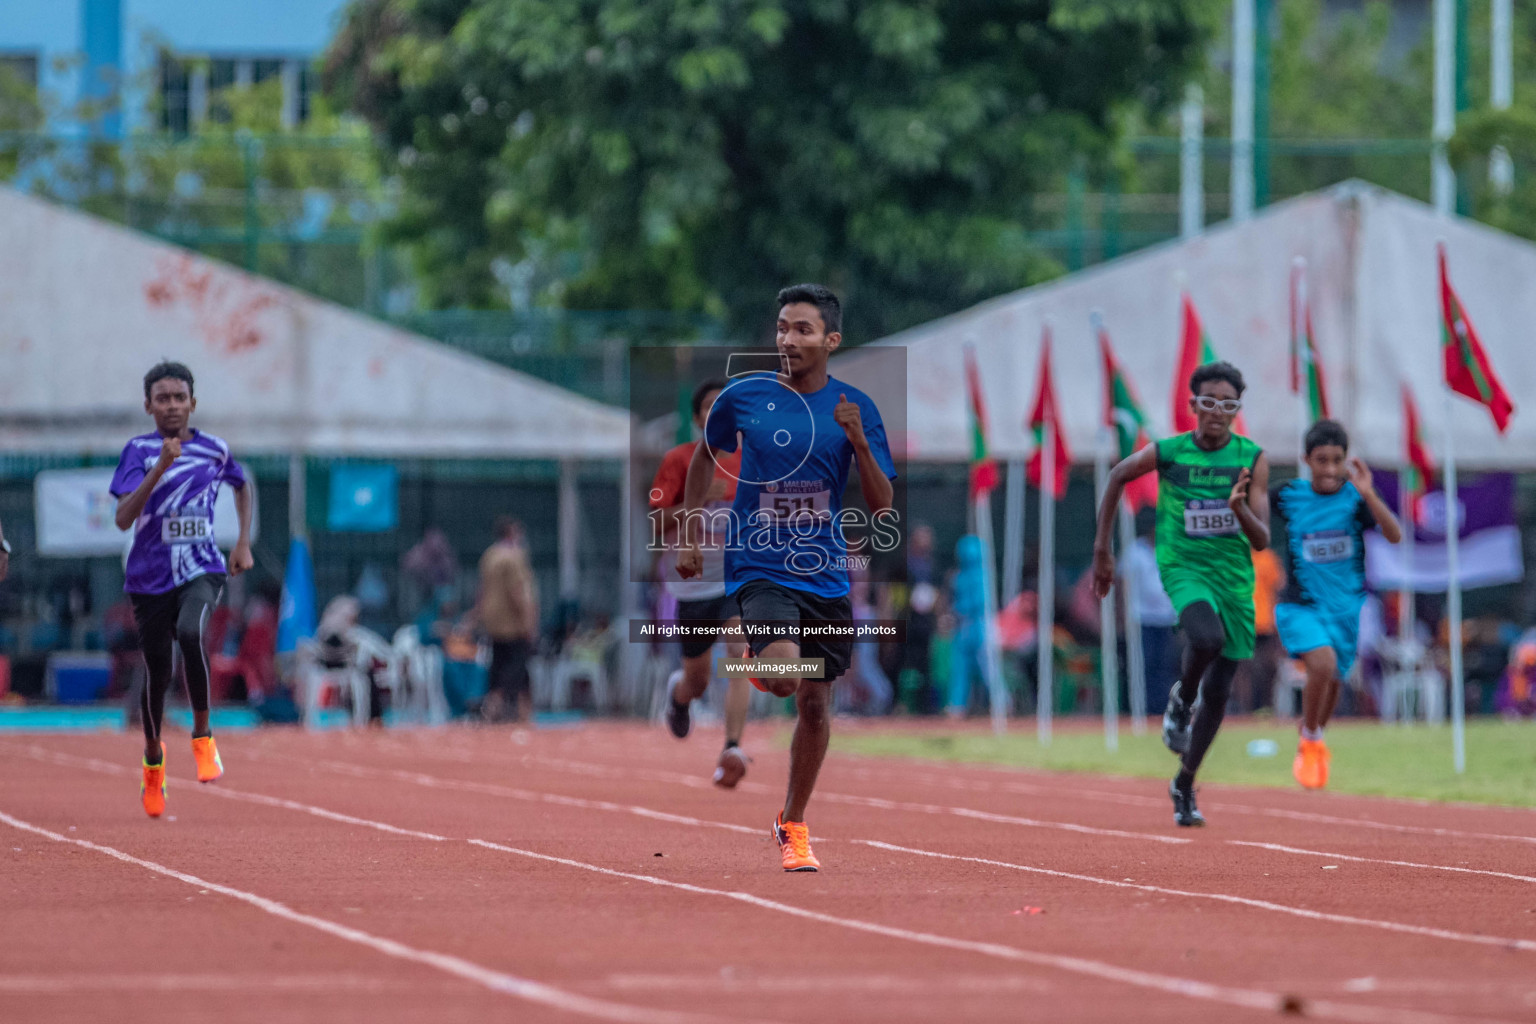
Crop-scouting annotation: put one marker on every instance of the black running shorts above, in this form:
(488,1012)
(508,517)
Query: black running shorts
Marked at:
(710,612)
(777,606)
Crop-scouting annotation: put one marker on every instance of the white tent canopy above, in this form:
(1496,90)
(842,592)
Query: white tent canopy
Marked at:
(1375,303)
(86,307)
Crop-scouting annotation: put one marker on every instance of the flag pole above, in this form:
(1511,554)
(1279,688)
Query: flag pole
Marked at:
(1453,590)
(1108,660)
(1014,508)
(1301,358)
(1045,649)
(996,693)
(1406,612)
(1135,657)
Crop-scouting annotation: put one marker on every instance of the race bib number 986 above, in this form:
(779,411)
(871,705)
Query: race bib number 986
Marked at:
(185,529)
(1204,518)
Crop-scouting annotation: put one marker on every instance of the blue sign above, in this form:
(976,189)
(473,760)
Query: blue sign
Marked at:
(364,499)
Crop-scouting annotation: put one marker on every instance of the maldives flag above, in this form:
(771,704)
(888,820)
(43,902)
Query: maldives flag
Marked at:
(1421,468)
(1306,370)
(983,469)
(1467,369)
(1195,350)
(1045,410)
(1123,412)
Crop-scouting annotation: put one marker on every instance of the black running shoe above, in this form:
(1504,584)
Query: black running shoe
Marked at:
(679,720)
(1176,719)
(1185,813)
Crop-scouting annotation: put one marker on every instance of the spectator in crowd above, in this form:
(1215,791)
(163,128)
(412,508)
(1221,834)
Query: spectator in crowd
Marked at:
(1159,653)
(921,609)
(1517,687)
(1254,686)
(5,554)
(870,691)
(969,603)
(431,563)
(507,611)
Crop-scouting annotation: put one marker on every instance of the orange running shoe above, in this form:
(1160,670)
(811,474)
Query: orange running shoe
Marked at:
(152,789)
(1311,765)
(206,753)
(753,679)
(795,845)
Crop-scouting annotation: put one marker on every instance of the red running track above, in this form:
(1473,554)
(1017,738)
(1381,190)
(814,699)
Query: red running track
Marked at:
(594,874)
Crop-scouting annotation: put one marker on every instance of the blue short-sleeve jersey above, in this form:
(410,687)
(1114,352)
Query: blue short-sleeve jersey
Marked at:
(1325,549)
(786,523)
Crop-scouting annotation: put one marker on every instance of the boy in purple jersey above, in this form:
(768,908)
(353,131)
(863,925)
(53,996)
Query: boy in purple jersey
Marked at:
(165,485)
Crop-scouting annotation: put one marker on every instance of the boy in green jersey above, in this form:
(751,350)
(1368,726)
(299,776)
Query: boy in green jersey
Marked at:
(1212,508)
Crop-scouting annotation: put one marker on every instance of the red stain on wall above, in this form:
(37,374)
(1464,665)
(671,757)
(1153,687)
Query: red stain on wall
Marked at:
(225,308)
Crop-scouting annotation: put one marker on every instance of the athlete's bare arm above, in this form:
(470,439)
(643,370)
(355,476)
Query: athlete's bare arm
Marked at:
(1250,502)
(130,505)
(240,559)
(1386,522)
(701,474)
(1130,468)
(873,482)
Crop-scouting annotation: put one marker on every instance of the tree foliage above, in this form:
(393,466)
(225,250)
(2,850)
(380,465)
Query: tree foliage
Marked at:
(698,154)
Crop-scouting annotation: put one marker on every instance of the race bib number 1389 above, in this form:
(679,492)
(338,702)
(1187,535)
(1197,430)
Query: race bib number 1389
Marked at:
(1209,519)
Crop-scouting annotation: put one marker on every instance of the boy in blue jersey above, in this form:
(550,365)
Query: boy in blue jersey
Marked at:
(166,484)
(1318,616)
(786,556)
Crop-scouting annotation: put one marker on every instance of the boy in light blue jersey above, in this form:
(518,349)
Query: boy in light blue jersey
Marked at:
(1318,616)
(800,432)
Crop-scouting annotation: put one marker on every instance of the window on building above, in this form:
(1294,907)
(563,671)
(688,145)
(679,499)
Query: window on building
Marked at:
(19,69)
(175,95)
(194,90)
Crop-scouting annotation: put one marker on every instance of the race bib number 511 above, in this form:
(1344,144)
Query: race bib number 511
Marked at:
(796,506)
(185,529)
(1209,518)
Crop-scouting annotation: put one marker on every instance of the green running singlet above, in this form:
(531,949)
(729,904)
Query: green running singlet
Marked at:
(1202,553)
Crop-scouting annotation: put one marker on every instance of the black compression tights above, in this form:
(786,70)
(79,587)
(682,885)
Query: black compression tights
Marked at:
(1206,680)
(158,637)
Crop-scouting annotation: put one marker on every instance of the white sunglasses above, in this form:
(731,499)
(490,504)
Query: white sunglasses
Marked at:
(1230,406)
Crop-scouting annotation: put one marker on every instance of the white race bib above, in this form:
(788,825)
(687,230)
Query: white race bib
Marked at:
(1209,519)
(1324,548)
(796,506)
(186,529)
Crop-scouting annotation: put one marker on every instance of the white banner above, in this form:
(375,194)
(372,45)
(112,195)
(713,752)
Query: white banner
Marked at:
(1487,558)
(76,510)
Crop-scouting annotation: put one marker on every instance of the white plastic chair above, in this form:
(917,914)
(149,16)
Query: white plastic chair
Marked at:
(1289,683)
(420,669)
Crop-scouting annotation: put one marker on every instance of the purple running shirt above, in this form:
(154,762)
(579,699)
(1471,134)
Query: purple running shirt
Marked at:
(173,537)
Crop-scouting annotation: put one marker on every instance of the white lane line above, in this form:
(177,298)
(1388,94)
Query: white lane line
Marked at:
(883,985)
(491,789)
(603,771)
(1377,860)
(496,981)
(1202,990)
(918,769)
(879,803)
(1525,945)
(69,984)
(1245,998)
(223,791)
